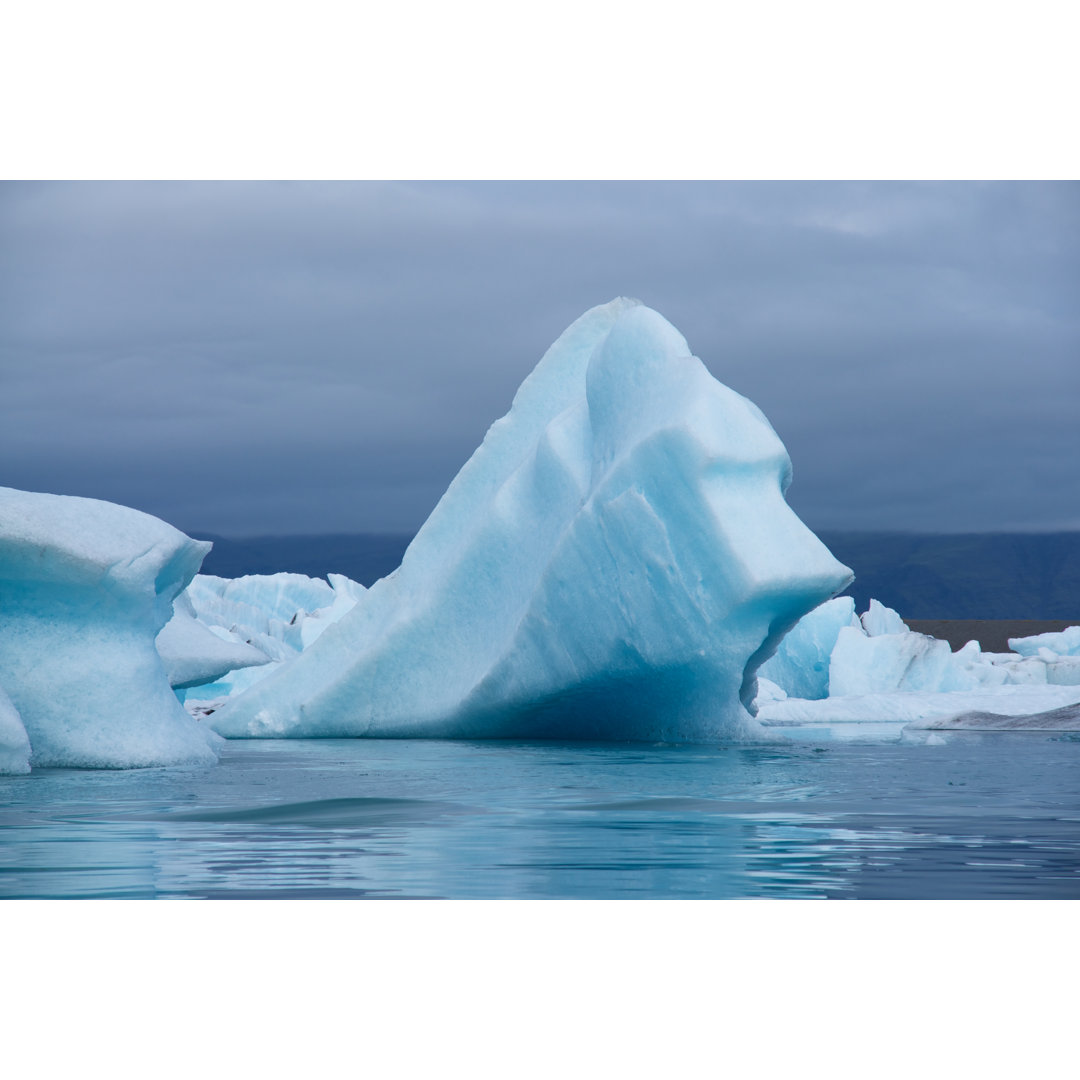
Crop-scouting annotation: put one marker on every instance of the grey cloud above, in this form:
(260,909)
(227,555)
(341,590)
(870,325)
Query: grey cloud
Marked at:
(265,357)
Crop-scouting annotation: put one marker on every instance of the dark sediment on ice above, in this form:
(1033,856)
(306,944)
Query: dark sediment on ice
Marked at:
(1067,718)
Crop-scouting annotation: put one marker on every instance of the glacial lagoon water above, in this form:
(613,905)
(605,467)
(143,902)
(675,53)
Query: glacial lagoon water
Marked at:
(961,816)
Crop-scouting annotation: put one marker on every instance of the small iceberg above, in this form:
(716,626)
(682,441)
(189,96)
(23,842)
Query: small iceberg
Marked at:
(85,588)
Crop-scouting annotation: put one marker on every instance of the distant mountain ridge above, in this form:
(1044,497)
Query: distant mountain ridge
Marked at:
(964,576)
(970,576)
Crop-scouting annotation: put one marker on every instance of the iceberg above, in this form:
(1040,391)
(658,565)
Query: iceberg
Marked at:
(767,692)
(1020,670)
(861,664)
(801,664)
(1043,667)
(1063,670)
(270,613)
(615,561)
(194,653)
(884,679)
(831,652)
(1064,643)
(884,658)
(85,588)
(878,620)
(257,604)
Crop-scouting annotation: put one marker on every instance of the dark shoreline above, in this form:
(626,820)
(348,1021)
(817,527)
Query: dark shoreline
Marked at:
(991,634)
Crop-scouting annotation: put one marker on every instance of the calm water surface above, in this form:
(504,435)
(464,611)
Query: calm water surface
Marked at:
(970,816)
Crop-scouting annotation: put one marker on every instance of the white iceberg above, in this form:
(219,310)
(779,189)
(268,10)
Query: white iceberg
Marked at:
(883,678)
(279,615)
(194,653)
(1064,643)
(878,620)
(85,588)
(614,562)
(270,611)
(831,652)
(880,654)
(861,664)
(1043,667)
(767,692)
(1063,670)
(259,605)
(801,663)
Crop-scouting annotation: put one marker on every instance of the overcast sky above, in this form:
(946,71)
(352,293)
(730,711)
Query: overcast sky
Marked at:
(263,358)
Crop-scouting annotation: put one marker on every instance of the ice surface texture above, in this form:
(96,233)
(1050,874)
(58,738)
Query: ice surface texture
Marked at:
(613,562)
(85,587)
(277,615)
(801,664)
(14,742)
(195,653)
(875,664)
(916,708)
(1065,643)
(280,614)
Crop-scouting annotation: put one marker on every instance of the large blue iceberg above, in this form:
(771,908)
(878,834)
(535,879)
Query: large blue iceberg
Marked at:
(85,588)
(614,562)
